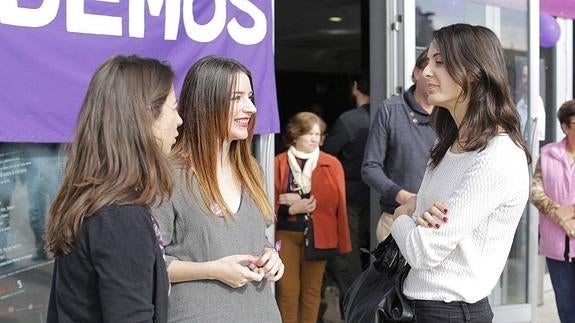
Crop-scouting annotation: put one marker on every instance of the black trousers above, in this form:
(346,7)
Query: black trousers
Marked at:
(453,312)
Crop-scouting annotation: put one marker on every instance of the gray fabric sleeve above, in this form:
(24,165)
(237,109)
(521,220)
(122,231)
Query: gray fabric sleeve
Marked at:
(375,154)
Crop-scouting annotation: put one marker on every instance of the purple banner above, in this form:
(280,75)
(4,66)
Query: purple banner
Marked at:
(49,49)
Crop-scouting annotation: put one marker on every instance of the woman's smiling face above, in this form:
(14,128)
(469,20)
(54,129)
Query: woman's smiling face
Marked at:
(242,108)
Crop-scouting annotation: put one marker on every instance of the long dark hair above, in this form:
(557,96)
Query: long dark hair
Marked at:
(474,59)
(206,108)
(115,157)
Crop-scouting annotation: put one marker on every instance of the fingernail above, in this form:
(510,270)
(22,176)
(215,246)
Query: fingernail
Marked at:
(444,210)
(444,219)
(437,225)
(429,225)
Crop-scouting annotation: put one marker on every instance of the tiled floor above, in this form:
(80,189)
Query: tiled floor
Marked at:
(546,313)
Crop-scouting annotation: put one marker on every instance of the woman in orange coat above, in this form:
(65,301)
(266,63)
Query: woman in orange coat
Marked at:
(307,181)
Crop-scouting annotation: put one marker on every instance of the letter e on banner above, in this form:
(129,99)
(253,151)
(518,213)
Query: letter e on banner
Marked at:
(79,21)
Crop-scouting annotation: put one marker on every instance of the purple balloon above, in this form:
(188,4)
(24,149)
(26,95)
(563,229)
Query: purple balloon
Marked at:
(549,30)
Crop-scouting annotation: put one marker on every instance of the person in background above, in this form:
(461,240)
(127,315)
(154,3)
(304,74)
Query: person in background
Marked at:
(346,140)
(398,146)
(537,110)
(109,264)
(457,233)
(219,260)
(553,193)
(307,181)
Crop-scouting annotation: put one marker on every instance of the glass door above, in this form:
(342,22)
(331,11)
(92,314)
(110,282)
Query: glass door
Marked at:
(513,296)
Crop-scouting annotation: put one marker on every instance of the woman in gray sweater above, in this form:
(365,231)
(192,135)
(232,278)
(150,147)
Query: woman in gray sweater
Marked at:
(218,258)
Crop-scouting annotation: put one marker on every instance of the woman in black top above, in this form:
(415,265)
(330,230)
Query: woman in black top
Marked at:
(109,264)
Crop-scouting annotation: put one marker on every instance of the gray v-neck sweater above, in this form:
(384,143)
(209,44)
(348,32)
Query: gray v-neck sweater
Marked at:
(191,234)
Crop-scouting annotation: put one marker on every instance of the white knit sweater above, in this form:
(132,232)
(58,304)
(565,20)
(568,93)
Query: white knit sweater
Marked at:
(485,193)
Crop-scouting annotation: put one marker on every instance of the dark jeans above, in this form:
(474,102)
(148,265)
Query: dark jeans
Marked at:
(345,268)
(453,312)
(563,279)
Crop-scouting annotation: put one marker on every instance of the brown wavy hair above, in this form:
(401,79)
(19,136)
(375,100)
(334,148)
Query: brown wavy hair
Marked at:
(474,59)
(205,110)
(115,157)
(300,124)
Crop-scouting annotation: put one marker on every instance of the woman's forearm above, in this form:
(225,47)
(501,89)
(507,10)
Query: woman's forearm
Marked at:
(537,193)
(180,271)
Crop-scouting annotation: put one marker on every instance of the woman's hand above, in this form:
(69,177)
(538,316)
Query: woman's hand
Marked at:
(303,206)
(434,216)
(569,227)
(288,198)
(407,208)
(269,264)
(235,272)
(564,213)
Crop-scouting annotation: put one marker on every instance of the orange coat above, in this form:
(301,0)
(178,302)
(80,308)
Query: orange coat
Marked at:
(330,224)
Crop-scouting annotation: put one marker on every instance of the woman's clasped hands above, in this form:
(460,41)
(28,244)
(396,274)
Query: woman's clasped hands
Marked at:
(269,264)
(564,216)
(433,217)
(238,270)
(297,204)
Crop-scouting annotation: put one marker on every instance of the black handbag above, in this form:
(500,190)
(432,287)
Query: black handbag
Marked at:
(376,295)
(310,251)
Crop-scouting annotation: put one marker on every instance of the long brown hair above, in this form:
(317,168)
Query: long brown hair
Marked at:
(205,110)
(115,157)
(474,59)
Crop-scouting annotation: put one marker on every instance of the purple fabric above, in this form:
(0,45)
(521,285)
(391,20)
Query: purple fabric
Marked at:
(45,70)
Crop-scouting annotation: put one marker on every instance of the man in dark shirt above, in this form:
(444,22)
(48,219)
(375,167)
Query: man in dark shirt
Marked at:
(346,140)
(398,146)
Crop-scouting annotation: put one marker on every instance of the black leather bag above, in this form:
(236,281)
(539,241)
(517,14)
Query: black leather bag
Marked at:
(376,295)
(310,251)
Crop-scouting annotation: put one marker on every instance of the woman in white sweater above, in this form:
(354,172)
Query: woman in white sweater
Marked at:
(457,233)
